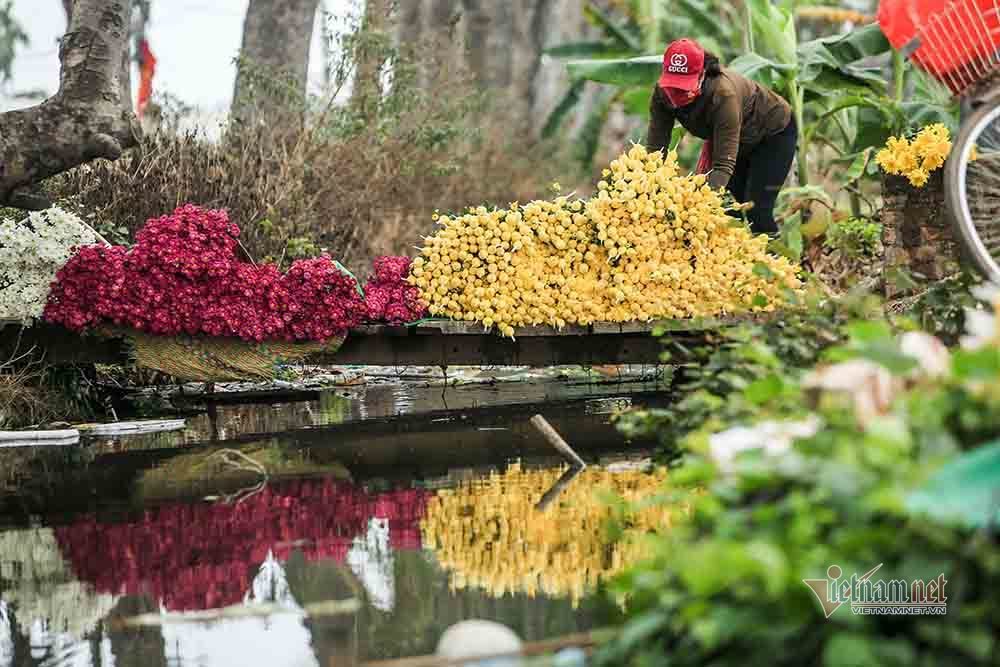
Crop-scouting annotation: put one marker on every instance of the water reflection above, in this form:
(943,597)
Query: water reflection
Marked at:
(145,550)
(195,556)
(496,533)
(220,419)
(420,559)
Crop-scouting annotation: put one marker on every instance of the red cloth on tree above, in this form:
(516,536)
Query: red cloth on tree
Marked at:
(147,67)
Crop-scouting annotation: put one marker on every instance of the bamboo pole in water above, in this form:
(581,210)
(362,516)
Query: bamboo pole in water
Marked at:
(556,441)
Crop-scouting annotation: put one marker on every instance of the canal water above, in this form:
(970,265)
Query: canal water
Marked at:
(300,526)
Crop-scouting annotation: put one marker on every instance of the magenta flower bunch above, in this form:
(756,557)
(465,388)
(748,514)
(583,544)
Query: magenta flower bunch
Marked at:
(389,296)
(184,275)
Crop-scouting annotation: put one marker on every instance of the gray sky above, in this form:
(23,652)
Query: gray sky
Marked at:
(194,42)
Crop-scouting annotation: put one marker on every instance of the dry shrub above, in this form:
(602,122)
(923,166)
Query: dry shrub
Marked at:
(355,180)
(23,400)
(34,392)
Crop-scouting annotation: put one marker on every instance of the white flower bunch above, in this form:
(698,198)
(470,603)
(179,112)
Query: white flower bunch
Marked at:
(32,250)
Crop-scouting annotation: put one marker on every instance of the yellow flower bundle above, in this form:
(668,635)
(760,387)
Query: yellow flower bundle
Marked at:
(917,158)
(489,535)
(651,244)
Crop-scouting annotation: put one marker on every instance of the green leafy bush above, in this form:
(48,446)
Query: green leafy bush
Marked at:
(825,478)
(726,362)
(940,309)
(854,237)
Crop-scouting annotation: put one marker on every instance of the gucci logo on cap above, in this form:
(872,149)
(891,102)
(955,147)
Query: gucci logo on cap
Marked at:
(678,63)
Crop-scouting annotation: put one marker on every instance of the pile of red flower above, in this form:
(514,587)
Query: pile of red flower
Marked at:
(184,275)
(205,555)
(389,296)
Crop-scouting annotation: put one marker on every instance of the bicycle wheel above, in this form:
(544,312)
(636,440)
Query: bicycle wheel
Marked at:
(972,189)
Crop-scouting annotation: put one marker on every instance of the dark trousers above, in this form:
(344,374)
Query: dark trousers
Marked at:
(760,172)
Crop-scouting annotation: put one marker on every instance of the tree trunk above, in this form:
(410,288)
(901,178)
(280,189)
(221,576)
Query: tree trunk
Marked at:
(369,56)
(502,44)
(916,234)
(125,76)
(276,39)
(87,117)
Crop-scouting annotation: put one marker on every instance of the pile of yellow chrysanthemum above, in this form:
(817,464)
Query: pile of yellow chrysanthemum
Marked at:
(652,244)
(917,158)
(489,534)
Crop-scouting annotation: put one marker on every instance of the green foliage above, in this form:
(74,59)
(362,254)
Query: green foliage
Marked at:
(299,247)
(730,360)
(940,309)
(774,31)
(725,585)
(836,102)
(626,44)
(964,490)
(854,237)
(822,73)
(718,25)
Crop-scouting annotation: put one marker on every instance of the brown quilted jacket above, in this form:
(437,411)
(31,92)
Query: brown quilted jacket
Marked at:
(732,111)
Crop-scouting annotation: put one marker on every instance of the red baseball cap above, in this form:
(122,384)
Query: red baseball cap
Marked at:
(683,64)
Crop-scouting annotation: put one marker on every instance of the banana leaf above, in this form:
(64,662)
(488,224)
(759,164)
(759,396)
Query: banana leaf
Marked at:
(829,63)
(858,166)
(774,29)
(590,136)
(704,22)
(636,101)
(920,113)
(586,50)
(965,491)
(565,106)
(872,129)
(642,71)
(762,70)
(625,36)
(850,47)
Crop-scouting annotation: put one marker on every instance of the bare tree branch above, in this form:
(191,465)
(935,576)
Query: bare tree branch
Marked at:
(87,118)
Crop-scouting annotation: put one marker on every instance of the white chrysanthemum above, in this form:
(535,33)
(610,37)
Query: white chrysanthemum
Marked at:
(773,438)
(931,355)
(981,325)
(32,251)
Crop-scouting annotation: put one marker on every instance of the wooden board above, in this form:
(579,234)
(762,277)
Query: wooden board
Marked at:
(428,343)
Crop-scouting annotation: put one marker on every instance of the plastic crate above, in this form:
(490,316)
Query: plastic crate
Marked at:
(954,41)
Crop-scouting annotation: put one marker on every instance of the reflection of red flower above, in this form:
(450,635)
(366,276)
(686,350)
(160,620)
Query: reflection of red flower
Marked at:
(204,556)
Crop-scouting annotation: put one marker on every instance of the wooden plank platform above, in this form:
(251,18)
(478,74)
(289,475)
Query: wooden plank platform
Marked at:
(428,343)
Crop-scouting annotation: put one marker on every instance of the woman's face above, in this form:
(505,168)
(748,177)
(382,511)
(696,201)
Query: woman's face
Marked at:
(681,98)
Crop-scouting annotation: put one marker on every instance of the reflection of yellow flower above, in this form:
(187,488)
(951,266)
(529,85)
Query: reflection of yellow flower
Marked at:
(489,534)
(916,159)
